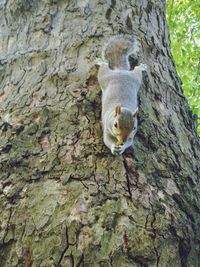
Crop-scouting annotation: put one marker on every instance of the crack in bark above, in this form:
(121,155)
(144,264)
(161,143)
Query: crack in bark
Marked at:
(81,261)
(110,9)
(184,250)
(154,233)
(65,249)
(7,225)
(130,172)
(28,255)
(139,259)
(127,179)
(178,164)
(157,256)
(71,256)
(185,245)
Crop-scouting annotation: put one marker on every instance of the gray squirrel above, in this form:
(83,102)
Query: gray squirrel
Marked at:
(120,87)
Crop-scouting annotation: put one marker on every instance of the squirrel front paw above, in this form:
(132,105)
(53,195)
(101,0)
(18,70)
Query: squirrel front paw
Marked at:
(99,61)
(117,149)
(143,67)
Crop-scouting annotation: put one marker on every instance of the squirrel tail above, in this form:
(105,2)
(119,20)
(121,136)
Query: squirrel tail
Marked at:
(117,51)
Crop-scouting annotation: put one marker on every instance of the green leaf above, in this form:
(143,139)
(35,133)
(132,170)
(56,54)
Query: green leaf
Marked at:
(184,26)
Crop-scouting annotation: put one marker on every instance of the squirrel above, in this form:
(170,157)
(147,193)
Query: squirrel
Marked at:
(120,86)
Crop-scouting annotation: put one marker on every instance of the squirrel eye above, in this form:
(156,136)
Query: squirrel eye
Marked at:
(115,125)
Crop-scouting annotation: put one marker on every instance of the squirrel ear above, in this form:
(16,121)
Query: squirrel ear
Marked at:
(117,110)
(134,113)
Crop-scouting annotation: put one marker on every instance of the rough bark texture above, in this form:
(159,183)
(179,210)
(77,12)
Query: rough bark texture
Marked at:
(65,200)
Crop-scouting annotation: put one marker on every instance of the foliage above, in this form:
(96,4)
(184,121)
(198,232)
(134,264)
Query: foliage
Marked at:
(184,25)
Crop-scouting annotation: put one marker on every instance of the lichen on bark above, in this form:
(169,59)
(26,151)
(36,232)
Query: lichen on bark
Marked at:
(65,200)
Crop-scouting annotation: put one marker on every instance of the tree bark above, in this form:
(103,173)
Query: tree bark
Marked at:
(65,200)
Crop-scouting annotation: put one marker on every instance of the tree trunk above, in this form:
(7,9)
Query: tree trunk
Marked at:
(65,200)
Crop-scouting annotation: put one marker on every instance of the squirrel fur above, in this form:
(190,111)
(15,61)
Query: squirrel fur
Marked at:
(120,87)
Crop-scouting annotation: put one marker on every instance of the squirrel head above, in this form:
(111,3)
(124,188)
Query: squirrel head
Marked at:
(124,124)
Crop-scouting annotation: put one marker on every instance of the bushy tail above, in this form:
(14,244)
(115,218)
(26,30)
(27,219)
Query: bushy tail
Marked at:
(117,51)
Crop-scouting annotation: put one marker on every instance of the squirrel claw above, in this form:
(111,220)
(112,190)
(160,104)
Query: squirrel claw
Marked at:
(99,61)
(143,67)
(117,149)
